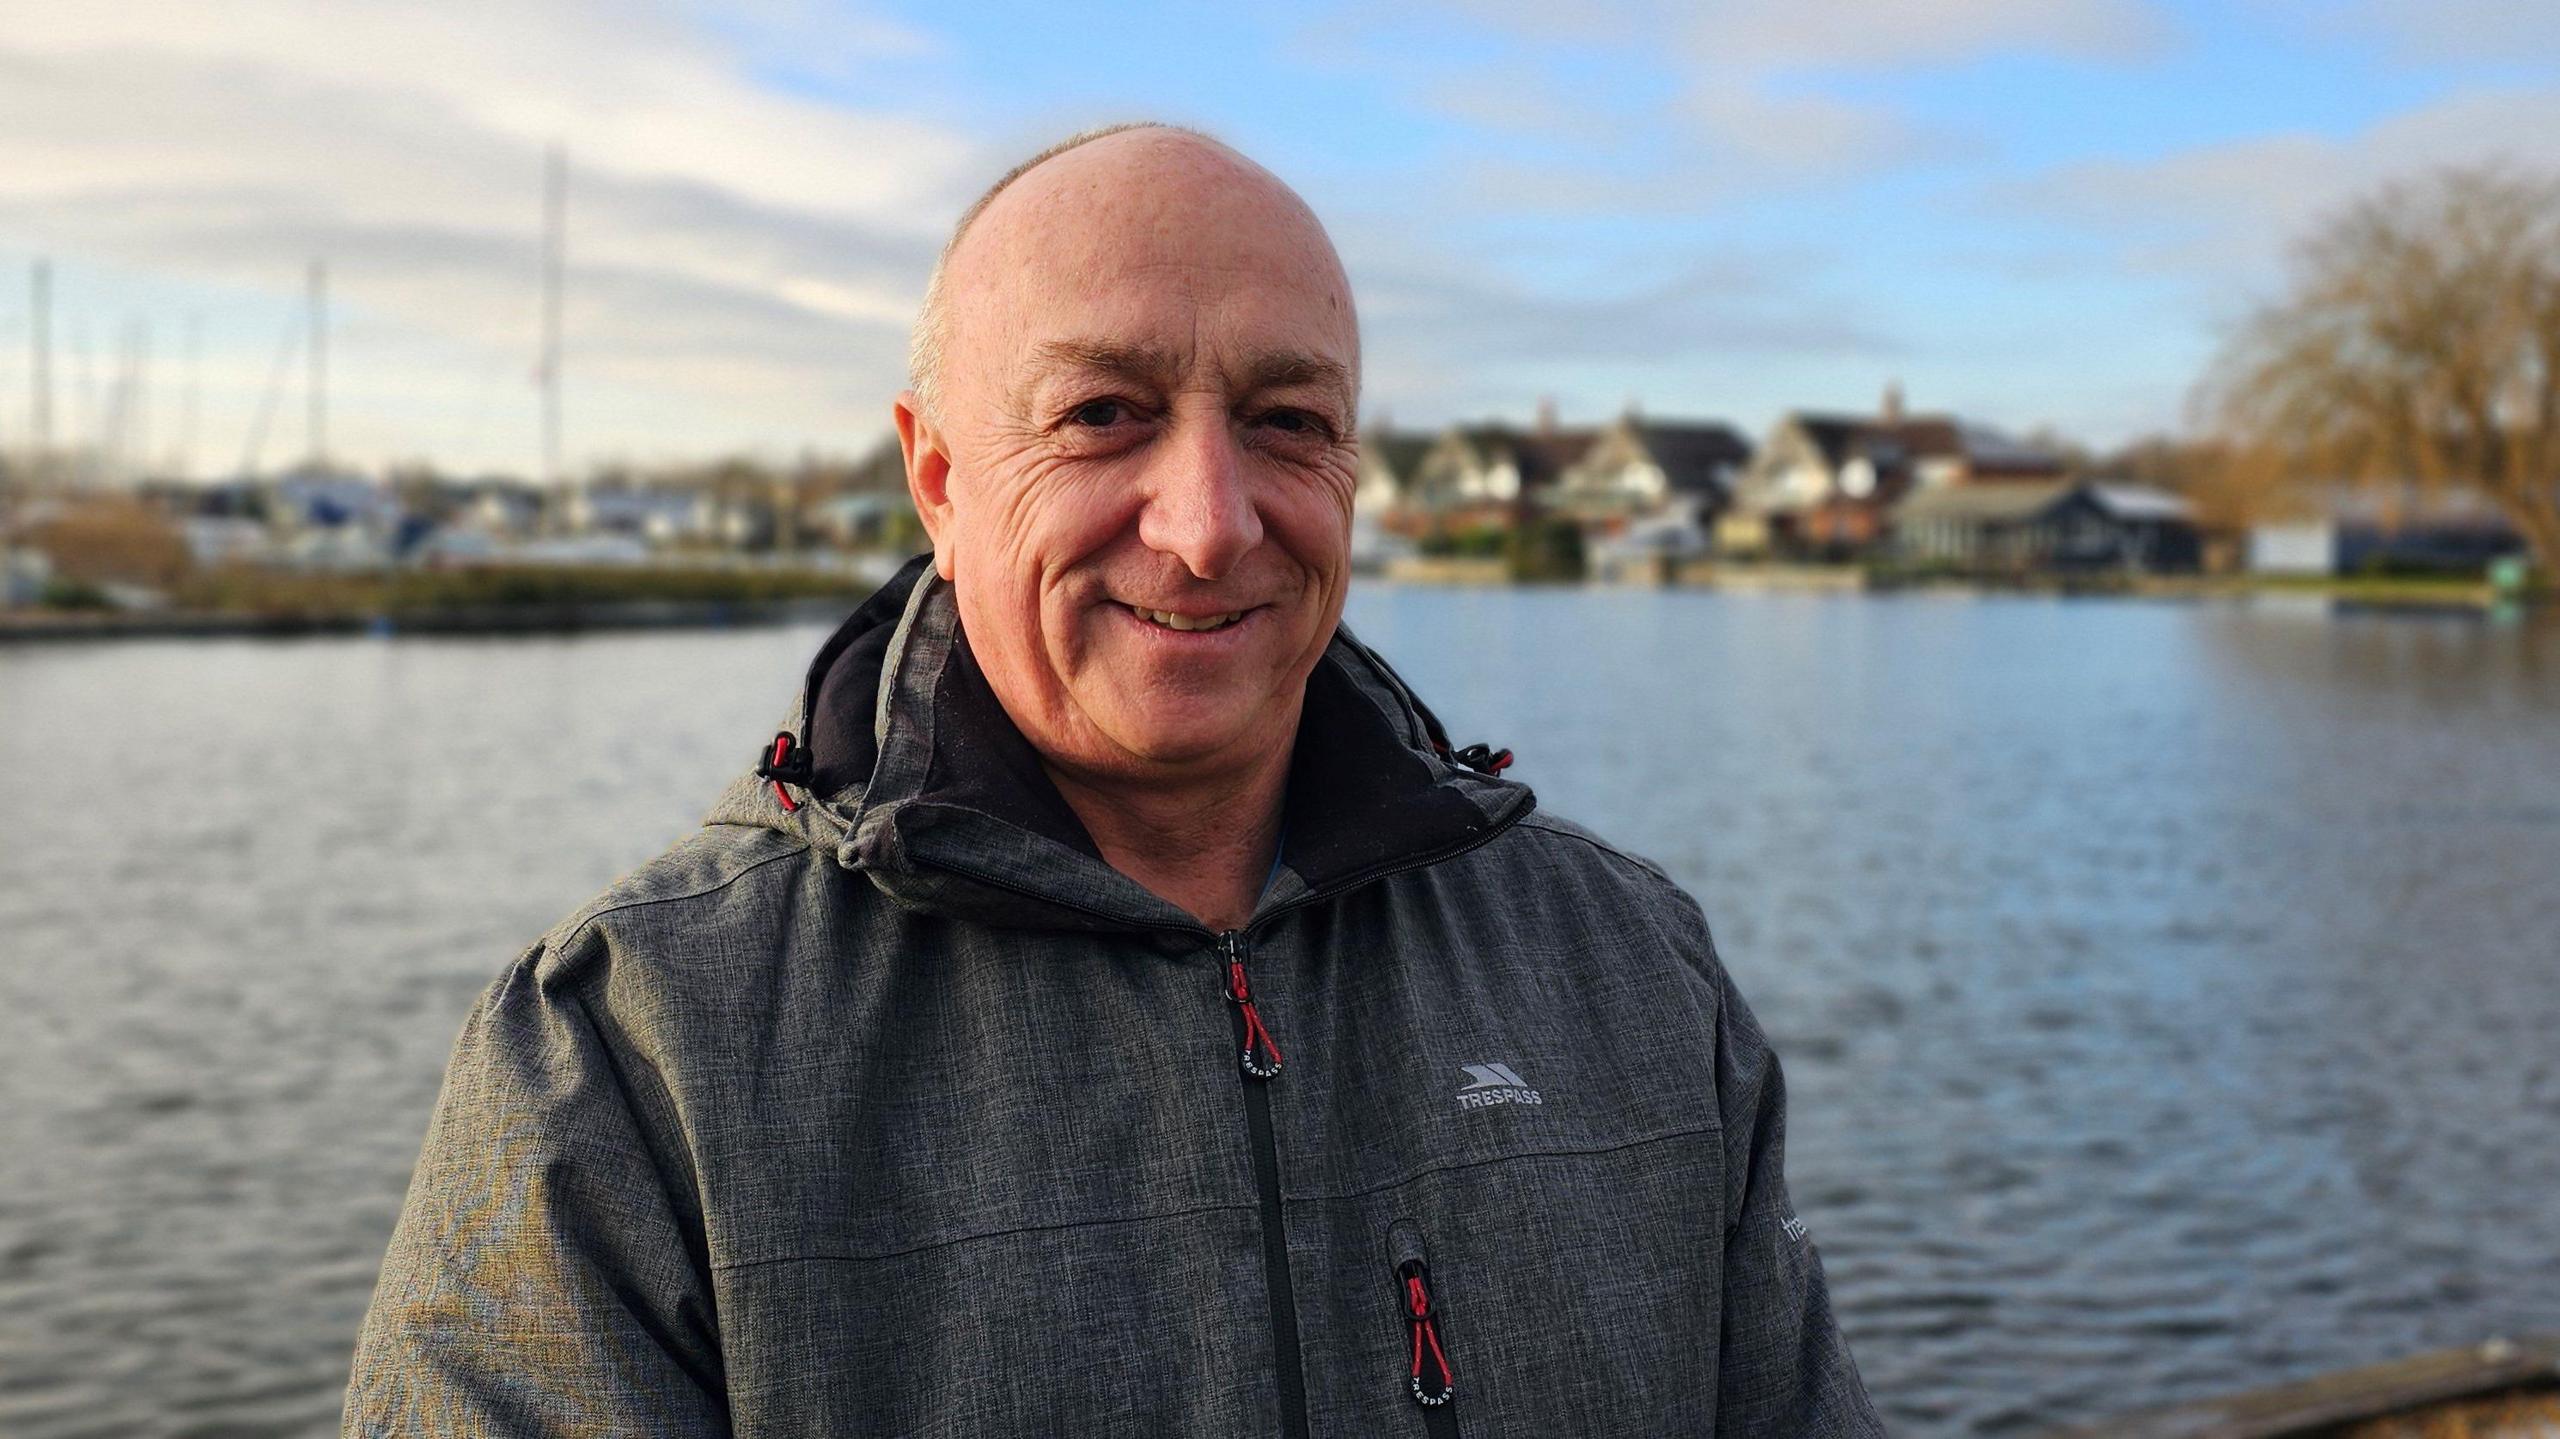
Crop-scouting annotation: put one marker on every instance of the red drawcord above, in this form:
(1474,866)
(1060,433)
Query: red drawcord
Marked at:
(1418,1300)
(1254,1032)
(782,752)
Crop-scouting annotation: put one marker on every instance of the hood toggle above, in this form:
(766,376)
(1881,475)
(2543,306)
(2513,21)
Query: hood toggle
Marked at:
(787,762)
(1261,1057)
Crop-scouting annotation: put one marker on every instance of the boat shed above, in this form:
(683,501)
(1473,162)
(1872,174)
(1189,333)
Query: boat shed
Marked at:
(2017,526)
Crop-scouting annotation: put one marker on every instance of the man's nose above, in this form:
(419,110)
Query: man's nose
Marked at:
(1200,509)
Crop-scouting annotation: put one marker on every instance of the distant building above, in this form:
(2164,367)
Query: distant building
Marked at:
(214,541)
(2158,529)
(1651,547)
(858,505)
(1389,461)
(650,515)
(500,507)
(1373,547)
(1640,467)
(325,519)
(24,575)
(2059,526)
(1823,483)
(2338,530)
(317,499)
(855,520)
(1489,469)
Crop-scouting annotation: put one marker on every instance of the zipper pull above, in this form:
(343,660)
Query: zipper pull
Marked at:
(1256,1037)
(1417,1303)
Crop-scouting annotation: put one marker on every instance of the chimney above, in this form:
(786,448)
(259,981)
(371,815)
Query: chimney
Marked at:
(1546,414)
(1892,414)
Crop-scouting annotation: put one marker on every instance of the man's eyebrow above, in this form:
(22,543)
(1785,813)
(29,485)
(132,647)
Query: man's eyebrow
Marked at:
(1112,357)
(1271,370)
(1284,368)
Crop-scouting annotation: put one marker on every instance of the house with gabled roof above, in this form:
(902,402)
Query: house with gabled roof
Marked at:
(1493,468)
(1389,458)
(1645,467)
(1824,483)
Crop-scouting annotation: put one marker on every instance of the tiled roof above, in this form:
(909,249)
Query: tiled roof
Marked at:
(1399,451)
(1991,504)
(1692,456)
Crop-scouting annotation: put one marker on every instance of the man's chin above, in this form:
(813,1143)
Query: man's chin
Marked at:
(1170,745)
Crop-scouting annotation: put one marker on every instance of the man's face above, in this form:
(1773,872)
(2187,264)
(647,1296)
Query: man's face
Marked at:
(1147,420)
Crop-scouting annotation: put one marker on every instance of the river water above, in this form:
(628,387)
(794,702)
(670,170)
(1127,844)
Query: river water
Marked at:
(2167,992)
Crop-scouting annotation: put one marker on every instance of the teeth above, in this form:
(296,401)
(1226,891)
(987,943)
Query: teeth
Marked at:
(1173,621)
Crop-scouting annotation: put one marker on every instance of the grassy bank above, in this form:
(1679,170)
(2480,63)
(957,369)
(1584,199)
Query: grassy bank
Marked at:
(398,593)
(493,599)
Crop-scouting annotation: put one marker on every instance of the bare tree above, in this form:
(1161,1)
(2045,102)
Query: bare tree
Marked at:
(2418,341)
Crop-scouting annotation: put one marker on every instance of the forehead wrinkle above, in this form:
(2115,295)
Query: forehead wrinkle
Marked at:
(1119,359)
(1161,366)
(1283,369)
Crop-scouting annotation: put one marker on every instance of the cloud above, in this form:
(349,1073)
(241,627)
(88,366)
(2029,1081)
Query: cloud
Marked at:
(1756,67)
(1899,35)
(2228,211)
(2504,31)
(1442,335)
(738,254)
(1737,98)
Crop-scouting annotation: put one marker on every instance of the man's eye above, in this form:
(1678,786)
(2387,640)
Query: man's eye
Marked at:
(1099,414)
(1293,422)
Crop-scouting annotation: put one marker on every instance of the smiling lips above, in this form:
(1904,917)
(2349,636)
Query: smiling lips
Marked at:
(1167,619)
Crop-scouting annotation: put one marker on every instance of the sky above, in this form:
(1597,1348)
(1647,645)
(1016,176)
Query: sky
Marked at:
(2033,213)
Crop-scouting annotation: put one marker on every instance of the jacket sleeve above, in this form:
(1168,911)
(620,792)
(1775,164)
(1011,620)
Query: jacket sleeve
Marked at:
(540,1281)
(1783,1367)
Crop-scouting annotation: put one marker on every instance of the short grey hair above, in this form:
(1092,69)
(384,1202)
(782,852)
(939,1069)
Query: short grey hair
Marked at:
(925,342)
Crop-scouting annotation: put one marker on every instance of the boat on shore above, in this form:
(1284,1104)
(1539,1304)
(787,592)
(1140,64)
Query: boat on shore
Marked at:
(2501,1389)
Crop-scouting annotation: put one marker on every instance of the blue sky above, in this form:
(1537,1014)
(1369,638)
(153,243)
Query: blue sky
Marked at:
(2032,212)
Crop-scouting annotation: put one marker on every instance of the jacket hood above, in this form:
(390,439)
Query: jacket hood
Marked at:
(898,761)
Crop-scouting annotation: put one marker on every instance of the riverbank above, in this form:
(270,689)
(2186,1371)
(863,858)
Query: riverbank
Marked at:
(571,599)
(523,599)
(60,625)
(2364,591)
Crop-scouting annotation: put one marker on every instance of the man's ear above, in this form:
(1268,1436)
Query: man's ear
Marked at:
(928,475)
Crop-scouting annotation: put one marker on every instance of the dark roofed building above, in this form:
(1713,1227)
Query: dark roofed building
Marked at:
(2047,525)
(1823,482)
(2343,529)
(1494,465)
(1639,466)
(1389,461)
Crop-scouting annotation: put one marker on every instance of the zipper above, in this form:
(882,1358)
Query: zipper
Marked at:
(1254,1043)
(1260,1061)
(1429,1378)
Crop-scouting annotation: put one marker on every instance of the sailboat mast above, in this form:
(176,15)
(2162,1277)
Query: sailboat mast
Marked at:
(319,372)
(184,461)
(40,421)
(555,206)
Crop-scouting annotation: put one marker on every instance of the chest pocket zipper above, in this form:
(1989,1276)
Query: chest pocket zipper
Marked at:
(1429,1379)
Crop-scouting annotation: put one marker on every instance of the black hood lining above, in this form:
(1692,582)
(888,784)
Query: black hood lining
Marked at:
(840,697)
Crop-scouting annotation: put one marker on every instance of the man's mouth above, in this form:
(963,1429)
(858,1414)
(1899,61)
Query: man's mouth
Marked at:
(1167,619)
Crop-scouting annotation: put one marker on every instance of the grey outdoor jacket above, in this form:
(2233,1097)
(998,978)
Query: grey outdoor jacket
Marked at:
(882,1105)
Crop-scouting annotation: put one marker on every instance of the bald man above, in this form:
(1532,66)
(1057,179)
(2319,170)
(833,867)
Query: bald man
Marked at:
(1112,1005)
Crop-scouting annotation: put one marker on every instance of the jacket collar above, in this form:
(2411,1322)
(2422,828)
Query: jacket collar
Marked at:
(909,771)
